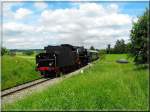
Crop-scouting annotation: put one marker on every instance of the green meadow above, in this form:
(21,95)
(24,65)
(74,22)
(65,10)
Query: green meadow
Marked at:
(106,85)
(16,70)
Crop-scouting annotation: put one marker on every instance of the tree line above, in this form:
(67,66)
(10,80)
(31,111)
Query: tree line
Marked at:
(138,47)
(119,48)
(12,52)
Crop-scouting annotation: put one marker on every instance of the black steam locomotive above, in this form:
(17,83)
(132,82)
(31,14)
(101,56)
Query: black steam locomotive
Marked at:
(63,58)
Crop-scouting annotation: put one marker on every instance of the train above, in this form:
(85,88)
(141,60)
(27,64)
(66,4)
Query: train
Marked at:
(63,58)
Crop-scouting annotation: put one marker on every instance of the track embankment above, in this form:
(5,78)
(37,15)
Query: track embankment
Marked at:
(19,92)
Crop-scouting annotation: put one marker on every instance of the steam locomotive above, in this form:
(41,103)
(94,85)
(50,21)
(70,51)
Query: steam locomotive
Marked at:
(63,58)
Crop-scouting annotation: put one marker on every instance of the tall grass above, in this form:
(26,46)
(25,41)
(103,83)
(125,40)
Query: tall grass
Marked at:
(106,85)
(17,70)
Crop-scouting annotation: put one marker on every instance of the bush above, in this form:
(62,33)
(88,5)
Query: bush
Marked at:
(12,53)
(102,54)
(29,52)
(4,51)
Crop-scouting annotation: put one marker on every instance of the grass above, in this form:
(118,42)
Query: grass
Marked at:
(106,85)
(17,70)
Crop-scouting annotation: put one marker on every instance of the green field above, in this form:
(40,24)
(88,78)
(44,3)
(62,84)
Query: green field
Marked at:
(17,70)
(106,85)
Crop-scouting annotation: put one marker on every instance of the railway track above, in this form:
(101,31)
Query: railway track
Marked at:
(27,85)
(22,86)
(19,92)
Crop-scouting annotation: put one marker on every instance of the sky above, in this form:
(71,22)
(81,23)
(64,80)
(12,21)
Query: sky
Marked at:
(33,25)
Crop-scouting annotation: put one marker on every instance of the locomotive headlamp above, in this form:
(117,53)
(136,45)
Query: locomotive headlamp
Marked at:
(50,64)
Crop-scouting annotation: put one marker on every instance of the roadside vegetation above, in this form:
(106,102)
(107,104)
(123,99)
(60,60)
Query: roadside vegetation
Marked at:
(17,70)
(106,85)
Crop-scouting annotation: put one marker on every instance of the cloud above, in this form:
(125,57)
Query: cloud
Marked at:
(88,25)
(8,13)
(41,5)
(91,24)
(16,29)
(113,8)
(21,13)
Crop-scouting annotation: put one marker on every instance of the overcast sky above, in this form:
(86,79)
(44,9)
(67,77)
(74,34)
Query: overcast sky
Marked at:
(29,25)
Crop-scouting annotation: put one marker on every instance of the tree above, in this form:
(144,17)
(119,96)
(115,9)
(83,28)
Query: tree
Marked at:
(120,46)
(139,39)
(108,49)
(128,47)
(4,51)
(92,48)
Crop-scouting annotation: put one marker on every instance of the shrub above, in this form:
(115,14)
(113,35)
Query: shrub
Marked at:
(12,53)
(4,51)
(28,52)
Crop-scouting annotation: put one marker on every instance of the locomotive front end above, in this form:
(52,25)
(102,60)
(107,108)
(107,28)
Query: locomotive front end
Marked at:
(46,63)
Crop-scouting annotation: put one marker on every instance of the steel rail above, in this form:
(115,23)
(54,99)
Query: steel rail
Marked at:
(22,86)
